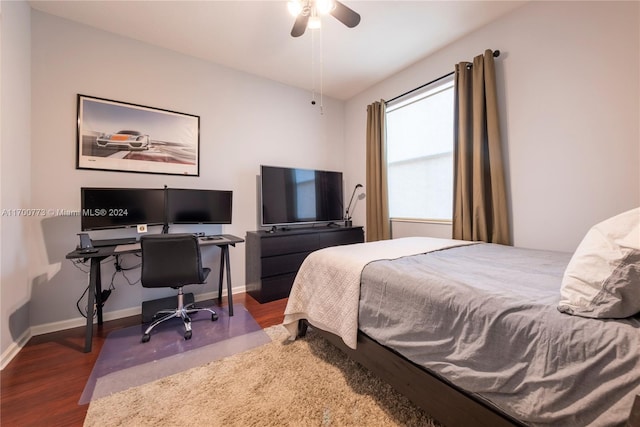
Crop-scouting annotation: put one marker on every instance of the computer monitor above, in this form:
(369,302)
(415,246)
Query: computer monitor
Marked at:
(105,208)
(191,206)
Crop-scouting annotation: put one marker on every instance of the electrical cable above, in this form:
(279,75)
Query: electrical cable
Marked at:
(105,292)
(77,263)
(120,269)
(80,299)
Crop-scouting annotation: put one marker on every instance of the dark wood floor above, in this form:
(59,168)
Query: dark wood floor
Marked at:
(43,383)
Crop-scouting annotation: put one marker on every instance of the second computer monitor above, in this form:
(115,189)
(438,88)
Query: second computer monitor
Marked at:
(191,206)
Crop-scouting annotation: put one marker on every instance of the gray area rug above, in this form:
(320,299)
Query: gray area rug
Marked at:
(306,382)
(125,362)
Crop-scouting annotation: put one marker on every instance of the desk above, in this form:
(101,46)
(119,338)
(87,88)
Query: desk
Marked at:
(95,282)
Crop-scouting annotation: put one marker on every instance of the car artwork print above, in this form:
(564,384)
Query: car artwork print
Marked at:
(126,137)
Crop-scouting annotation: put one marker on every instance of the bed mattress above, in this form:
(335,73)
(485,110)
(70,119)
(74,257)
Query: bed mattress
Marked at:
(484,317)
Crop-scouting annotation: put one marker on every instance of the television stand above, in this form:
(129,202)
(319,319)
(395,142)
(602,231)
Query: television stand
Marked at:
(273,258)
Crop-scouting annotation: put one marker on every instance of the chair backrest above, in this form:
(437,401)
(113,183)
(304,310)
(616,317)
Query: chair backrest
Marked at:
(171,260)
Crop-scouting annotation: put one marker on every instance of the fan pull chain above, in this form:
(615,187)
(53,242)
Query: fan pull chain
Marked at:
(313,68)
(321,74)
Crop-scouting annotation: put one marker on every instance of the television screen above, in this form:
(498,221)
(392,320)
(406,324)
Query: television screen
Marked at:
(187,206)
(104,208)
(294,196)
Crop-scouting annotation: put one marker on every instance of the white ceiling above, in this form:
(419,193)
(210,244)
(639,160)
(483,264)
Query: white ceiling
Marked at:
(253,36)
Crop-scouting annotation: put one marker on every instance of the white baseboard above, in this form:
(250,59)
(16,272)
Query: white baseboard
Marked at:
(15,347)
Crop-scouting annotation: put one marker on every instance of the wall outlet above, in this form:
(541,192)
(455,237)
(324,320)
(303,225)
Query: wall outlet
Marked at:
(142,228)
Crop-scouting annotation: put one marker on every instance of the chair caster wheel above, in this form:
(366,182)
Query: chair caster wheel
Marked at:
(214,317)
(145,338)
(187,335)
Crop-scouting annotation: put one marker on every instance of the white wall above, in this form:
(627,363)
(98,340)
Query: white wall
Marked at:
(569,92)
(245,121)
(15,141)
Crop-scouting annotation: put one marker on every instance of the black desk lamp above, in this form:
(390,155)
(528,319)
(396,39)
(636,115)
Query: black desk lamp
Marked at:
(347,217)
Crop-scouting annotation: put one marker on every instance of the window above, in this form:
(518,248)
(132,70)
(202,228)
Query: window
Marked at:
(420,153)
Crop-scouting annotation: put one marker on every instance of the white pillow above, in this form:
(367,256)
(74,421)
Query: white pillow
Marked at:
(602,279)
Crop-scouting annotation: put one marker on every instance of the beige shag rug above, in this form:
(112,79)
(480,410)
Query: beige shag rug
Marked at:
(306,382)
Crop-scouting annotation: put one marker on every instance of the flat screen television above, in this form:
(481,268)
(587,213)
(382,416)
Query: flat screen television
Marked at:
(104,208)
(299,196)
(190,206)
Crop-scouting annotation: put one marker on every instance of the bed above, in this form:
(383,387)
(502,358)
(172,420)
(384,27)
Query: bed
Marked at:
(472,332)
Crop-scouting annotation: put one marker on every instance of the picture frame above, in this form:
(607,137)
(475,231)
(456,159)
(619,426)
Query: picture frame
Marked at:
(124,137)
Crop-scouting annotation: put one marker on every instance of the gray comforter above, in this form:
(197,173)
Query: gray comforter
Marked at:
(484,317)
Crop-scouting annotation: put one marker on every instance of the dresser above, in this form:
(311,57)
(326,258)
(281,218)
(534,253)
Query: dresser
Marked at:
(273,258)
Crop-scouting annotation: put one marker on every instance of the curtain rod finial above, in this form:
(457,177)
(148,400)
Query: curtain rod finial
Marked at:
(496,53)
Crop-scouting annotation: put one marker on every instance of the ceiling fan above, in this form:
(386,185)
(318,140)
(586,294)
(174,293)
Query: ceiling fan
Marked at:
(307,13)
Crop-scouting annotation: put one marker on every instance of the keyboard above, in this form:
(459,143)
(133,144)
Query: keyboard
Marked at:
(114,242)
(211,237)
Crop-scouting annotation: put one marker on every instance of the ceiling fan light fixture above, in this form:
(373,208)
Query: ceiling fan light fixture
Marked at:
(307,13)
(325,6)
(295,7)
(314,23)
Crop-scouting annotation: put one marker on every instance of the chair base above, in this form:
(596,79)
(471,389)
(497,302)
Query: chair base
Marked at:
(150,308)
(182,311)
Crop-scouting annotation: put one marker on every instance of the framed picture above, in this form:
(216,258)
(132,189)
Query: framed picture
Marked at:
(118,136)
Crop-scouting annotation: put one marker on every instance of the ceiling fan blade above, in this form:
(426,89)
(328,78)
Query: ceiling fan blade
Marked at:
(300,25)
(345,15)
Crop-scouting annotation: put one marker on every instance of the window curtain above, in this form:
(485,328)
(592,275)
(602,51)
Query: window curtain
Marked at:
(377,227)
(480,202)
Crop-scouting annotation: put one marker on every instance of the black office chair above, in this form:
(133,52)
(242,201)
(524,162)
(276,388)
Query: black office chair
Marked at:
(173,260)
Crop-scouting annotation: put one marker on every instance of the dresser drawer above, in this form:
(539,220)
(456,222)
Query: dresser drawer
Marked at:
(272,266)
(342,237)
(277,287)
(287,244)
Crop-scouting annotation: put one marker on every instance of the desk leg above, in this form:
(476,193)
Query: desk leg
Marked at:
(94,272)
(225,254)
(224,265)
(222,248)
(94,298)
(98,295)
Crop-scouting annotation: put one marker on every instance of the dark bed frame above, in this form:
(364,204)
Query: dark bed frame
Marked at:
(445,402)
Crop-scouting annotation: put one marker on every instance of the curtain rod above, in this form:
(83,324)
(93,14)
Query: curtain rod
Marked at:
(496,53)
